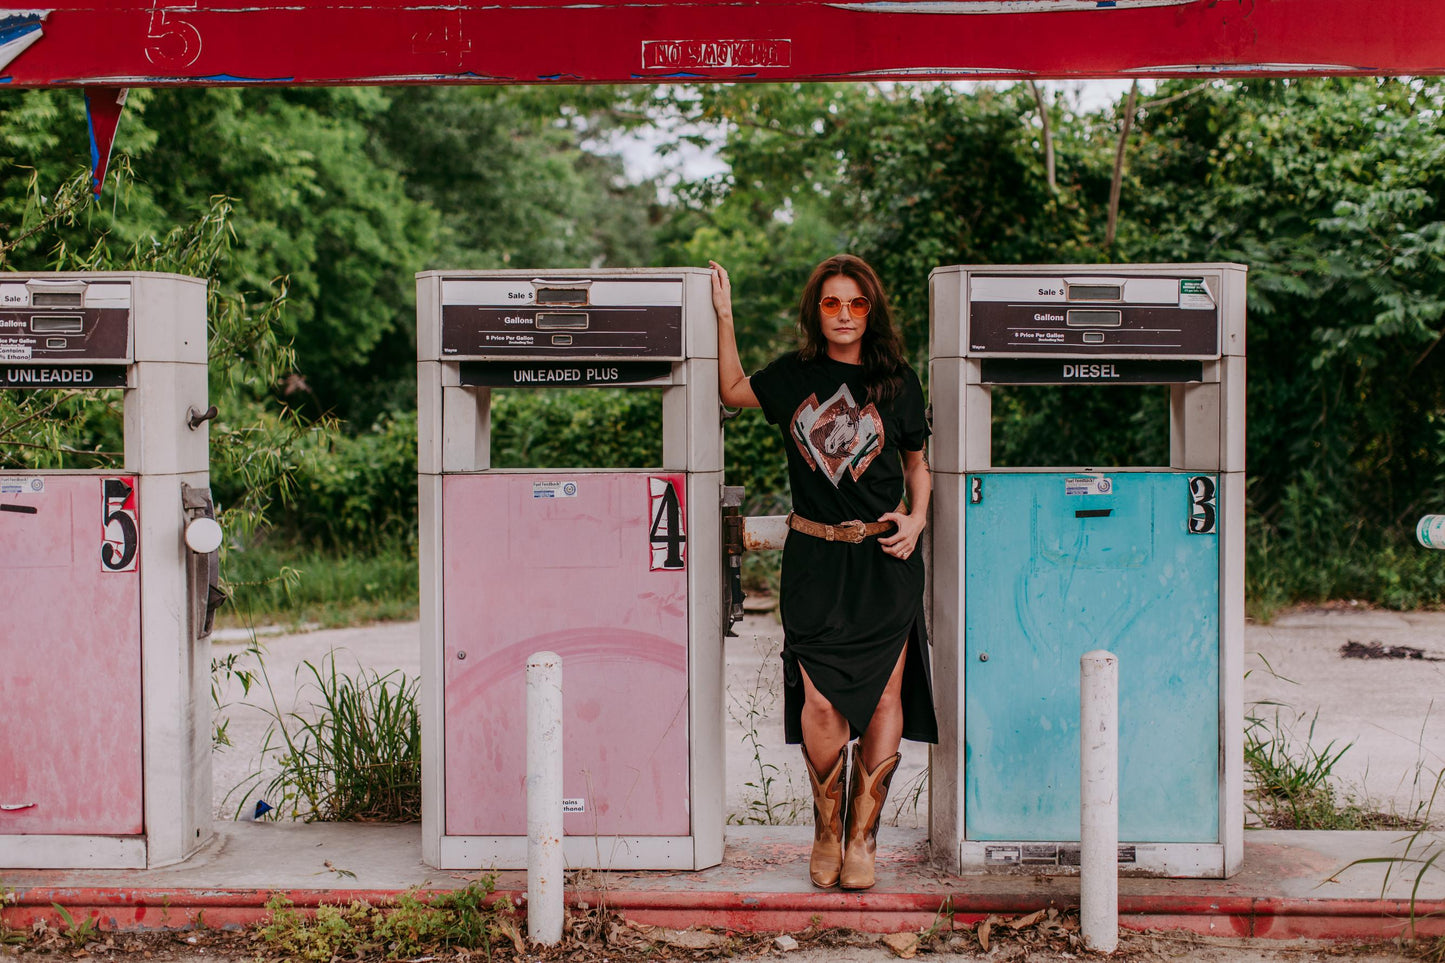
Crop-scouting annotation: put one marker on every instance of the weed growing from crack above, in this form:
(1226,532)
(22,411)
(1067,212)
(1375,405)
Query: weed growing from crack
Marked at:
(1424,853)
(466,919)
(768,803)
(911,796)
(76,934)
(1292,783)
(359,758)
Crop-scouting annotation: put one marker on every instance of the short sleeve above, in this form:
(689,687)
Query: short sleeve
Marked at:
(912,418)
(770,386)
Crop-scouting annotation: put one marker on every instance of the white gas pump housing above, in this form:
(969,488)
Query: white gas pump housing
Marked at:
(105,614)
(1034,566)
(620,572)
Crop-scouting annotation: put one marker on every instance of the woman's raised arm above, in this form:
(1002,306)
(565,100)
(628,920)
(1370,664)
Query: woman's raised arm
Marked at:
(733,386)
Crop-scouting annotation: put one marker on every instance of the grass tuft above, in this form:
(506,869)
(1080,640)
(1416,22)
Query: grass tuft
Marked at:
(413,925)
(355,757)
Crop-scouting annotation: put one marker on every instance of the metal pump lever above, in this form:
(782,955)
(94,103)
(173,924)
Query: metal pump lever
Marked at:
(195,419)
(732,501)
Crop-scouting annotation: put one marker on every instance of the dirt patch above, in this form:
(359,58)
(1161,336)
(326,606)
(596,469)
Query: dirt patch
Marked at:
(620,943)
(1379,650)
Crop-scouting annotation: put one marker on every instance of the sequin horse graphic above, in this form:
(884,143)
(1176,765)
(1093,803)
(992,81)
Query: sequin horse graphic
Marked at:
(838,436)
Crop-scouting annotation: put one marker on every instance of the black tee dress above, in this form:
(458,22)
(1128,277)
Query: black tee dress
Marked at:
(848,609)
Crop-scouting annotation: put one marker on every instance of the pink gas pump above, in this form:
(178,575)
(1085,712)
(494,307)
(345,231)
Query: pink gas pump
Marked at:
(109,583)
(620,572)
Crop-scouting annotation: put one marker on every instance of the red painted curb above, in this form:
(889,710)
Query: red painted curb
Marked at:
(121,908)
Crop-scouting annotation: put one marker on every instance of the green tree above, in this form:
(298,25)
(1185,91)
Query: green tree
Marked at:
(1333,192)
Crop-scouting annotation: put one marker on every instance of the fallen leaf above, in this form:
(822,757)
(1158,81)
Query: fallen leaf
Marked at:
(509,929)
(691,939)
(903,944)
(1024,921)
(985,927)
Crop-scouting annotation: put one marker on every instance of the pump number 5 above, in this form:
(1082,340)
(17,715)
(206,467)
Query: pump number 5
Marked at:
(171,42)
(668,535)
(120,529)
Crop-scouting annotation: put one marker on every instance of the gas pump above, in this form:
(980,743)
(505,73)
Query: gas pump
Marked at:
(1032,567)
(620,572)
(109,583)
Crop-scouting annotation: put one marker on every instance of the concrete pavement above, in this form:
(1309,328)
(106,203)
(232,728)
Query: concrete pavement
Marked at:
(1293,884)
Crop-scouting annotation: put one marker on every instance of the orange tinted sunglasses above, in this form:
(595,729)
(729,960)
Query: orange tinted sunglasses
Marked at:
(858,307)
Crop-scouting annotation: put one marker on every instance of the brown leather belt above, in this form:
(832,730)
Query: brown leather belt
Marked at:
(854,531)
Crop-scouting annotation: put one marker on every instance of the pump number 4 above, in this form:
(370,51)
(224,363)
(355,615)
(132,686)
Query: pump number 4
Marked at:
(120,526)
(668,534)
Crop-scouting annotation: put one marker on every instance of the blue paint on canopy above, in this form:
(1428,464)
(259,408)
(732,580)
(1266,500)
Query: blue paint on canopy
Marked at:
(18,26)
(233,79)
(94,146)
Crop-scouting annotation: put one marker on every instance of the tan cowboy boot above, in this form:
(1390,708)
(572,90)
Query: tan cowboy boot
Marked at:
(828,793)
(865,809)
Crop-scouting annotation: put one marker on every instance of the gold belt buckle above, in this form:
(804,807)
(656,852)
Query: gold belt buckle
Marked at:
(850,531)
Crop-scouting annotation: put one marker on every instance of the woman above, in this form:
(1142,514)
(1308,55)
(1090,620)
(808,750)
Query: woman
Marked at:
(852,415)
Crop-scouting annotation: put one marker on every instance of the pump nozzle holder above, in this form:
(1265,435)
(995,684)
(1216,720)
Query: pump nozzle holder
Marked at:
(203,535)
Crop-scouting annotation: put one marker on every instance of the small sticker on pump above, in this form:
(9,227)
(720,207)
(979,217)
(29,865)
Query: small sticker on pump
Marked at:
(22,485)
(574,805)
(1088,485)
(554,489)
(1194,294)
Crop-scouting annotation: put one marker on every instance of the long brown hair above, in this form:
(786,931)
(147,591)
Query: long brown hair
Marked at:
(882,348)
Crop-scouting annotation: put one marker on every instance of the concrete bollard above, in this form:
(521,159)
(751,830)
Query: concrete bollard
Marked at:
(1099,796)
(544,798)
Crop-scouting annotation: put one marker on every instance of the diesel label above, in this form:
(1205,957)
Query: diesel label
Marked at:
(1090,371)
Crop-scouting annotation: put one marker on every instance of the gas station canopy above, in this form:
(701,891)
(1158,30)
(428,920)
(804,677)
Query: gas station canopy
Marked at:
(125,43)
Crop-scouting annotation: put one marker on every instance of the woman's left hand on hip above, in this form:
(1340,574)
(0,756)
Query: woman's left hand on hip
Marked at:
(903,542)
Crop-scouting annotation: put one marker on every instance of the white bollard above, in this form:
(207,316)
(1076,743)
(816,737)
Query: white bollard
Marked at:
(544,798)
(1099,797)
(1430,531)
(764,532)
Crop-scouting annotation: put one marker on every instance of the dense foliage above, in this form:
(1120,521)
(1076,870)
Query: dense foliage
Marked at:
(1331,192)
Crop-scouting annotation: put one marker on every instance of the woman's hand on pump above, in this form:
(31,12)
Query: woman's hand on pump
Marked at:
(722,293)
(902,542)
(733,387)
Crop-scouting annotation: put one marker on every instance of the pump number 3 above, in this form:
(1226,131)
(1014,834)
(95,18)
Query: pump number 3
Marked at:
(668,534)
(120,528)
(1203,512)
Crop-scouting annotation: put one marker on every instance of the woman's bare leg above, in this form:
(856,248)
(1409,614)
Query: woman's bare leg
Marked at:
(825,730)
(885,729)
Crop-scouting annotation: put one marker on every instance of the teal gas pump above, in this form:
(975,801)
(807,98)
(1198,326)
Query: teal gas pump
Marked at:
(1034,566)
